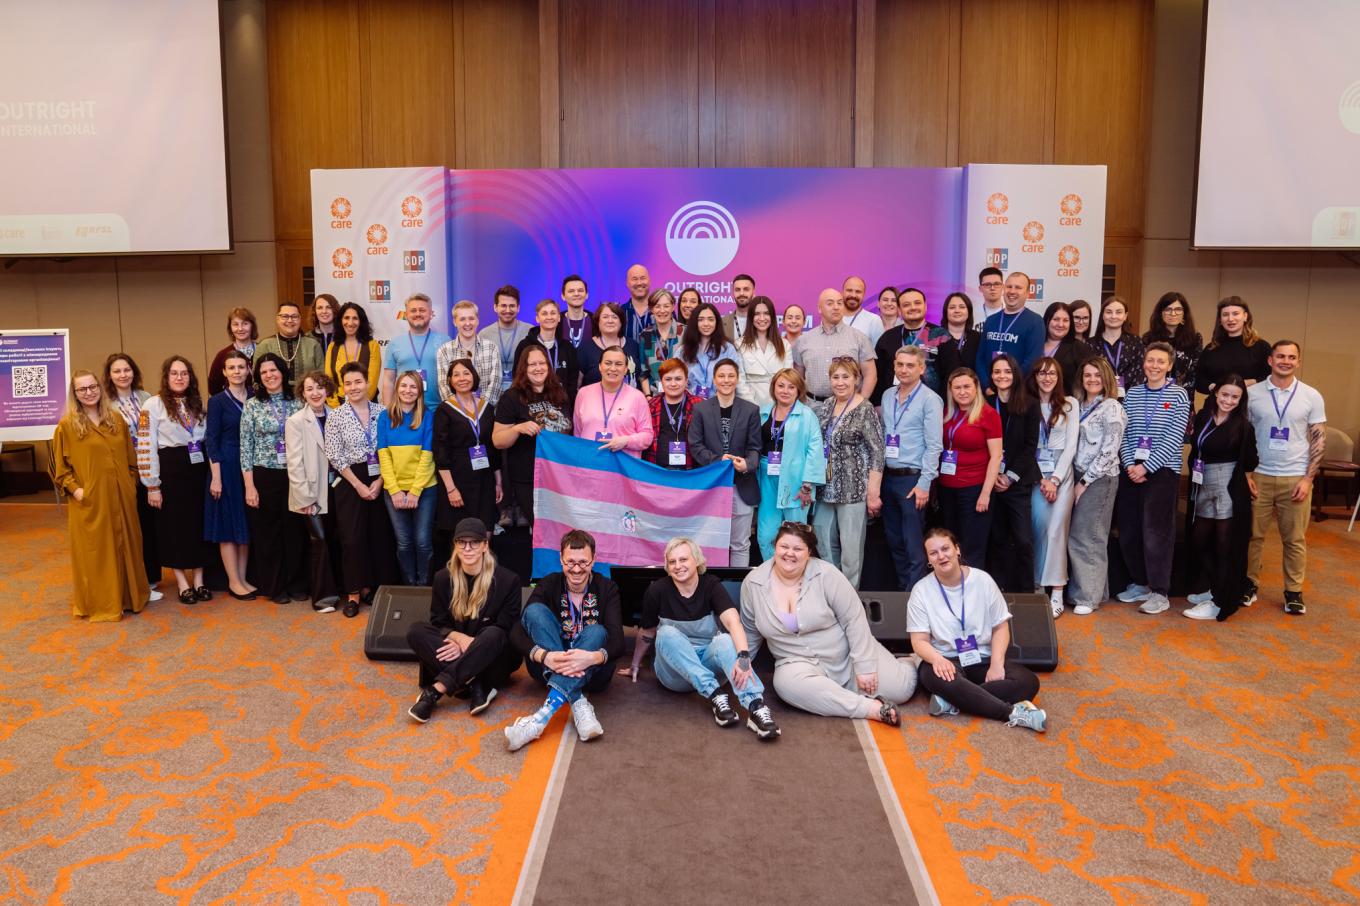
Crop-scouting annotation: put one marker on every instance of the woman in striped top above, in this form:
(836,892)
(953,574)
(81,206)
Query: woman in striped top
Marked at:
(405,436)
(1101,422)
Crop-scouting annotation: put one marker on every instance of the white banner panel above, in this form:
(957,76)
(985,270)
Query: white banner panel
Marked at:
(1047,221)
(379,235)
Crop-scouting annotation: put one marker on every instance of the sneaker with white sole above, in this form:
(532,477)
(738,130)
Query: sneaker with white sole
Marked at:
(1293,603)
(156,595)
(941,707)
(1200,597)
(1156,603)
(524,731)
(1024,714)
(1055,602)
(1205,610)
(587,724)
(1085,610)
(1134,594)
(761,722)
(723,714)
(1249,596)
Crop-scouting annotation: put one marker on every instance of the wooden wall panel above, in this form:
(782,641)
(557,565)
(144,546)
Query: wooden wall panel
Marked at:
(916,83)
(407,77)
(499,86)
(1006,78)
(629,80)
(314,110)
(785,83)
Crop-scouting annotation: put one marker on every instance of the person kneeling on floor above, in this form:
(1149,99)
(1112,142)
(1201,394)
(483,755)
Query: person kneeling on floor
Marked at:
(692,653)
(464,649)
(960,627)
(571,629)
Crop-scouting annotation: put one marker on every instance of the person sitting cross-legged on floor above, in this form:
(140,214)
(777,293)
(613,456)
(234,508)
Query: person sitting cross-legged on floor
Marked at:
(465,647)
(571,629)
(960,628)
(692,652)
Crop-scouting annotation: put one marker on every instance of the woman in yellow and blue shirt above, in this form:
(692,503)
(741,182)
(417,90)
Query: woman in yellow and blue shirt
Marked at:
(405,433)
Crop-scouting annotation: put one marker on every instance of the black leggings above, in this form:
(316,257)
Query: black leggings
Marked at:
(970,693)
(490,659)
(1209,540)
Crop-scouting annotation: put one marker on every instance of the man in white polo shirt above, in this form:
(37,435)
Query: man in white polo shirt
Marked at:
(1291,437)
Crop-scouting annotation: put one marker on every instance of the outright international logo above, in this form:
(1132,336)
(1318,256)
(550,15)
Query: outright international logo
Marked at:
(410,211)
(702,237)
(1070,206)
(1033,234)
(1348,108)
(997,206)
(342,258)
(377,239)
(1036,289)
(380,290)
(1069,256)
(340,211)
(999,258)
(413,261)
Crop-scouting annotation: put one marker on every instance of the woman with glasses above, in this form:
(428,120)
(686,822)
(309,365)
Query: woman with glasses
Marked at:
(792,458)
(1101,420)
(224,515)
(671,411)
(466,460)
(852,442)
(1080,310)
(1051,499)
(94,465)
(1172,322)
(762,352)
(123,387)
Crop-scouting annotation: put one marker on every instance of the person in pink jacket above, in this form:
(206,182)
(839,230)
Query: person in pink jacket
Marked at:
(612,412)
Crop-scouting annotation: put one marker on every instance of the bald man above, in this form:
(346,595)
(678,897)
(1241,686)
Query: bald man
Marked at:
(1015,329)
(866,322)
(832,339)
(638,313)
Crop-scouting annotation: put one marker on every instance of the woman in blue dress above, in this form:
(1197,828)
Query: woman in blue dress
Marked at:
(224,516)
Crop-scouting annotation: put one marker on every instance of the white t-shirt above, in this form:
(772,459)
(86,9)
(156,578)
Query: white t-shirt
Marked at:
(1264,403)
(979,603)
(867,323)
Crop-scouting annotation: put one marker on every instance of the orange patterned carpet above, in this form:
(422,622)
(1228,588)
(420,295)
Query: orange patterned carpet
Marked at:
(248,753)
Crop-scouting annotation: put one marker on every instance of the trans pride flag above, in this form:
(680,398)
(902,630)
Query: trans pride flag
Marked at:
(631,507)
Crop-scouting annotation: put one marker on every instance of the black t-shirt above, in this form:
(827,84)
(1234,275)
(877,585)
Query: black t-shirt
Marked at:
(767,441)
(725,420)
(511,409)
(666,432)
(664,600)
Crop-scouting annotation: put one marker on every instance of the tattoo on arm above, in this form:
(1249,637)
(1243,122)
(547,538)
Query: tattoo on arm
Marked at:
(1317,447)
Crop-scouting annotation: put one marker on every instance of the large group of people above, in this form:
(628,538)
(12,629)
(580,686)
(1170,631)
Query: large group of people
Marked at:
(1000,448)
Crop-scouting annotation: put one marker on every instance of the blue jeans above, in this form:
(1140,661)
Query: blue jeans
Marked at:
(903,523)
(544,628)
(415,532)
(684,662)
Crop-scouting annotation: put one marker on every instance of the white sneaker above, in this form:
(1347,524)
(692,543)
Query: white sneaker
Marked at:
(1055,602)
(156,595)
(1206,610)
(524,731)
(1135,593)
(587,724)
(1201,597)
(1155,603)
(1085,610)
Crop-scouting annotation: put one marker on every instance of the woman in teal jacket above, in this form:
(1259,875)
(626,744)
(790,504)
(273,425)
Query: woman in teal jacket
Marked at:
(792,458)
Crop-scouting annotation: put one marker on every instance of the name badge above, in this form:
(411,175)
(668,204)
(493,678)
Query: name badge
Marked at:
(479,457)
(374,469)
(280,447)
(997,353)
(676,453)
(1197,472)
(422,379)
(703,392)
(195,448)
(949,462)
(1144,449)
(1046,461)
(968,651)
(775,463)
(892,444)
(1279,439)
(604,435)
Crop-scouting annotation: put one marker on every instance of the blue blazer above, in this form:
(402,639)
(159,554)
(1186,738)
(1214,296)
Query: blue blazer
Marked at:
(804,456)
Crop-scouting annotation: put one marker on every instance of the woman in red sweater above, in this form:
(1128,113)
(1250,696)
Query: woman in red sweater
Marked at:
(969,464)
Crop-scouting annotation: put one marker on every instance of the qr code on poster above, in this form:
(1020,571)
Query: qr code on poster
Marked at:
(30,381)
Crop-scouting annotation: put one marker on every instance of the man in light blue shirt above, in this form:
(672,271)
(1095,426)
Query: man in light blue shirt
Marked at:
(913,422)
(414,351)
(507,333)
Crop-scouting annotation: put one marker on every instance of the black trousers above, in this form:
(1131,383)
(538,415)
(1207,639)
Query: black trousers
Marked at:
(146,519)
(368,549)
(1010,548)
(958,508)
(490,659)
(970,693)
(324,566)
(1146,516)
(522,492)
(278,536)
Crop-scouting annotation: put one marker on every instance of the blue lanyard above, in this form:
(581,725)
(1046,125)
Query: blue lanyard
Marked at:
(958,423)
(1087,410)
(240,406)
(675,419)
(551,351)
(1209,428)
(963,601)
(425,344)
(899,411)
(777,430)
(574,336)
(1006,328)
(1043,430)
(606,411)
(1148,408)
(371,435)
(835,420)
(1279,413)
(1118,352)
(280,414)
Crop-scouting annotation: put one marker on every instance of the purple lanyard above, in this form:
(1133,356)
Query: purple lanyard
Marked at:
(777,430)
(181,416)
(425,344)
(1148,408)
(1279,413)
(958,423)
(835,420)
(1209,428)
(963,601)
(606,411)
(899,411)
(474,419)
(370,432)
(1087,410)
(676,419)
(1118,353)
(280,414)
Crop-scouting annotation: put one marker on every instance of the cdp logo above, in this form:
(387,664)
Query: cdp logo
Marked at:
(1033,234)
(1070,206)
(340,211)
(410,211)
(380,290)
(702,237)
(342,258)
(998,258)
(1069,256)
(377,239)
(997,206)
(413,261)
(1036,289)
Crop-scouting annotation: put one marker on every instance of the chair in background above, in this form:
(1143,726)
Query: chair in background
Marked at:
(1338,462)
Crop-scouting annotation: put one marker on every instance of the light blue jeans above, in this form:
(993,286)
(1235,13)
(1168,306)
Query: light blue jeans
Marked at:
(415,536)
(696,655)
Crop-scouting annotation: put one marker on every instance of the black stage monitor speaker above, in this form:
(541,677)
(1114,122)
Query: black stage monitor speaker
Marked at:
(1034,638)
(396,608)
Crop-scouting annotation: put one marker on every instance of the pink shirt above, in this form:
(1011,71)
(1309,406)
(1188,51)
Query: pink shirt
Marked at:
(629,416)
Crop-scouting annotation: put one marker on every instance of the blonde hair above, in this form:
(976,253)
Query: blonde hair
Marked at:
(465,604)
(846,363)
(700,564)
(394,413)
(793,377)
(75,411)
(975,410)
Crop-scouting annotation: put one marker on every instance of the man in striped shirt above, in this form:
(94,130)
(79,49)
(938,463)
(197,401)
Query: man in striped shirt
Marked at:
(1145,507)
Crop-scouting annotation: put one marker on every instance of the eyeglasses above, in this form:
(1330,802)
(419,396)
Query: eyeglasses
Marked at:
(842,359)
(469,544)
(290,317)
(576,566)
(798,526)
(994,284)
(93,388)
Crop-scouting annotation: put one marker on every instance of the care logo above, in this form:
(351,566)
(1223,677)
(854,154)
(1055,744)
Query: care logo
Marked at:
(998,258)
(1069,256)
(380,290)
(997,206)
(377,239)
(340,211)
(1033,234)
(342,259)
(411,207)
(702,237)
(1070,206)
(413,261)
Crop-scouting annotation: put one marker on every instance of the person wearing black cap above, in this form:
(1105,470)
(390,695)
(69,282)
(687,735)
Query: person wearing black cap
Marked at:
(464,648)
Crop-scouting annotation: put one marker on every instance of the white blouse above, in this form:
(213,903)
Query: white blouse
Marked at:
(160,430)
(760,367)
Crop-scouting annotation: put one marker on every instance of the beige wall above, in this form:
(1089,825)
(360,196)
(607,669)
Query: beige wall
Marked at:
(154,306)
(1312,297)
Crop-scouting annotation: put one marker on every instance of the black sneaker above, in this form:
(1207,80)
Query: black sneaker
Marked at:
(351,608)
(424,705)
(1293,603)
(722,709)
(1249,596)
(480,698)
(761,722)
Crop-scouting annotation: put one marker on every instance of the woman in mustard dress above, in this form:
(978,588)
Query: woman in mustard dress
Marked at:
(95,466)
